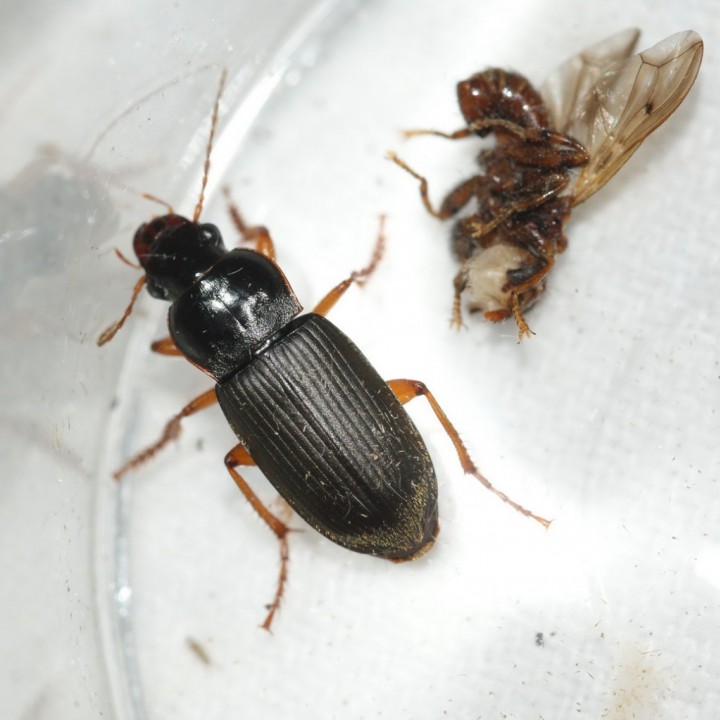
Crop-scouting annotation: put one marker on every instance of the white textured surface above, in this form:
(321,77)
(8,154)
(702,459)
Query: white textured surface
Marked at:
(605,421)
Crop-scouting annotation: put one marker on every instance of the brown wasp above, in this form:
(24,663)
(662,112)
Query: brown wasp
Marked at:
(554,149)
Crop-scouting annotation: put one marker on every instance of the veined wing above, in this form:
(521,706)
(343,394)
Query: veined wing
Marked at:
(573,80)
(628,101)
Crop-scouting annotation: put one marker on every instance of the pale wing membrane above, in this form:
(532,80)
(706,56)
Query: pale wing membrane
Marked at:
(628,102)
(573,80)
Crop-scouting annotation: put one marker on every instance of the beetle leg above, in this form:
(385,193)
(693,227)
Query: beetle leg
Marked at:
(357,276)
(166,346)
(240,456)
(109,333)
(170,433)
(256,234)
(406,390)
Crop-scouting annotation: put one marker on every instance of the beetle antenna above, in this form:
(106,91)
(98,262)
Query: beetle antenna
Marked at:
(159,201)
(126,260)
(213,125)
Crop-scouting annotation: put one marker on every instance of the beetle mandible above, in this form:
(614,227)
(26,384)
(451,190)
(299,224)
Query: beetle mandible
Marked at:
(307,407)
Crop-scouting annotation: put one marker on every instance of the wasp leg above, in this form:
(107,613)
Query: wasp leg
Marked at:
(453,202)
(457,135)
(258,235)
(170,433)
(357,276)
(479,125)
(239,456)
(459,285)
(460,196)
(406,390)
(523,328)
(529,287)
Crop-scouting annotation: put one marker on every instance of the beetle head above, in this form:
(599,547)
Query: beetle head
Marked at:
(175,252)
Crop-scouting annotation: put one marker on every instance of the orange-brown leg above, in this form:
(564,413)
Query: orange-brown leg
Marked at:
(513,311)
(523,328)
(532,282)
(453,202)
(479,230)
(457,135)
(463,191)
(517,290)
(460,196)
(536,278)
(357,276)
(166,346)
(239,456)
(170,433)
(487,124)
(257,235)
(499,124)
(459,286)
(109,333)
(406,390)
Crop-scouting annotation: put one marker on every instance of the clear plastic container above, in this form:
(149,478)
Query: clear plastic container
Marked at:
(143,599)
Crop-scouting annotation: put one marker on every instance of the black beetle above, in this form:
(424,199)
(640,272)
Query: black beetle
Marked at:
(308,408)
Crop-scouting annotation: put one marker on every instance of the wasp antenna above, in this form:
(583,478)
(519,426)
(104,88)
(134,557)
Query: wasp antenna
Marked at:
(213,125)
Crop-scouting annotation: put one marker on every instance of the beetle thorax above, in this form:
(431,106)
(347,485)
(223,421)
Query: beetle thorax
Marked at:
(232,312)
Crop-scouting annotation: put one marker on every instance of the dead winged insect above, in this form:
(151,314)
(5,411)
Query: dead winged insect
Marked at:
(555,148)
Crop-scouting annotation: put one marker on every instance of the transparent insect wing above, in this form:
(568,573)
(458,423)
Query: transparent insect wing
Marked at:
(574,79)
(629,100)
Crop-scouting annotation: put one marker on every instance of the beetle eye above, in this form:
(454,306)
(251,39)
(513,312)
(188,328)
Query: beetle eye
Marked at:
(210,235)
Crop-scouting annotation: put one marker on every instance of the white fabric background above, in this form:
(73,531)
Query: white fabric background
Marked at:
(605,421)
